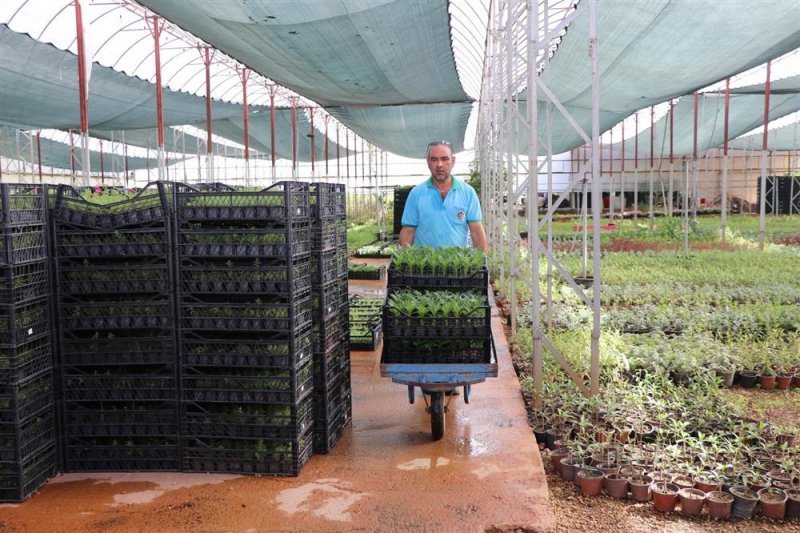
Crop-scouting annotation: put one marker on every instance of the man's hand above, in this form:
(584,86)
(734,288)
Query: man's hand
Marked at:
(406,237)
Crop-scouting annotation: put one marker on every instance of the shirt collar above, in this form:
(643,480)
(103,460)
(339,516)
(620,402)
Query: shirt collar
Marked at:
(455,185)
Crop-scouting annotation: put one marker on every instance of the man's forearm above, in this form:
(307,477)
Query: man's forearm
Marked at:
(406,237)
(478,235)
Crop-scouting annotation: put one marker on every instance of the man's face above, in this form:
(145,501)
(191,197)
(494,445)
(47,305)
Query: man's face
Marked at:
(440,162)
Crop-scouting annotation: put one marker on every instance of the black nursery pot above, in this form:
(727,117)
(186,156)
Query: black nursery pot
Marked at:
(748,379)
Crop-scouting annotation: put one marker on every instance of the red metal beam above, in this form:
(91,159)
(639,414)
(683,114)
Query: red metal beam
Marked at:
(159,90)
(244,75)
(207,57)
(83,83)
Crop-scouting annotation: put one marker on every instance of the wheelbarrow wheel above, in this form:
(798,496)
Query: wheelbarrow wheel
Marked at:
(437,415)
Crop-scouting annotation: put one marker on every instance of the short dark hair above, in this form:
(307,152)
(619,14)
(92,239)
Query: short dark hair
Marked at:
(438,143)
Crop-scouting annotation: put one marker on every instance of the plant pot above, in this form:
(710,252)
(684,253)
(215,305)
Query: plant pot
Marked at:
(692,501)
(591,481)
(726,378)
(608,468)
(555,459)
(796,381)
(616,486)
(551,436)
(665,496)
(793,504)
(707,482)
(766,382)
(567,469)
(748,379)
(541,434)
(783,381)
(631,470)
(789,440)
(640,487)
(719,505)
(773,503)
(683,481)
(744,502)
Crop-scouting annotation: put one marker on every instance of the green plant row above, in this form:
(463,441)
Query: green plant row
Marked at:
(445,261)
(415,303)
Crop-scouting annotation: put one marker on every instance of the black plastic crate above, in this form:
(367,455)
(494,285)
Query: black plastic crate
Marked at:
(149,206)
(25,399)
(272,386)
(274,457)
(248,421)
(478,280)
(437,351)
(25,321)
(28,281)
(327,334)
(329,366)
(153,313)
(255,316)
(330,301)
(20,479)
(129,278)
(376,272)
(102,384)
(21,361)
(328,267)
(250,277)
(277,242)
(128,243)
(365,335)
(328,200)
(18,441)
(120,419)
(337,402)
(22,204)
(285,200)
(327,435)
(404,326)
(263,351)
(115,454)
(115,348)
(22,244)
(328,235)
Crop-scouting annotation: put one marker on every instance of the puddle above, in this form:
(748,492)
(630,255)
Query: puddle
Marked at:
(423,464)
(326,498)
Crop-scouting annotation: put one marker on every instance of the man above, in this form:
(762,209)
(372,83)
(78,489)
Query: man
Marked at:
(440,211)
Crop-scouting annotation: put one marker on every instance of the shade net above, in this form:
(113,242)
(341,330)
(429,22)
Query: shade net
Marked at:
(174,141)
(408,128)
(783,138)
(746,112)
(660,49)
(60,155)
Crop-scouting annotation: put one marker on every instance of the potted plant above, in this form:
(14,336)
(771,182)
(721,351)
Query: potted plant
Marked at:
(744,502)
(719,505)
(692,501)
(591,481)
(616,485)
(665,496)
(641,487)
(773,502)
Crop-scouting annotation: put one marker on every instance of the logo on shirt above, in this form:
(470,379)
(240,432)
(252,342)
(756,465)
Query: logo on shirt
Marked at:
(460,215)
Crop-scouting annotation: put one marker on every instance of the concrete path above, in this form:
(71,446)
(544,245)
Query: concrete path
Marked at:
(384,475)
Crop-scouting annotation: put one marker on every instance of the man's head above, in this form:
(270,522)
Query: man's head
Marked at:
(440,160)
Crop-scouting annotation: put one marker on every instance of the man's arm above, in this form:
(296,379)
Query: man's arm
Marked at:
(406,237)
(478,235)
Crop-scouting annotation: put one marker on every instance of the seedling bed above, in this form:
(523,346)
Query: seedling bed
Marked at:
(365,334)
(365,271)
(376,249)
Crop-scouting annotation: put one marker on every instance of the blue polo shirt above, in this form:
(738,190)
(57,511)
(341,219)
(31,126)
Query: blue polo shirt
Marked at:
(441,222)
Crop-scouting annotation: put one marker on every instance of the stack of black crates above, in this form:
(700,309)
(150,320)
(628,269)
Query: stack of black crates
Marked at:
(117,347)
(244,306)
(400,197)
(27,409)
(332,393)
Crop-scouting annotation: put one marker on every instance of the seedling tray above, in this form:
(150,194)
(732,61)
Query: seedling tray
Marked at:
(478,280)
(285,200)
(404,326)
(271,422)
(22,244)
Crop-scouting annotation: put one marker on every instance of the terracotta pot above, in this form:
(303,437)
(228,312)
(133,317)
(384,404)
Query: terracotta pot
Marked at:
(665,496)
(793,504)
(707,482)
(631,470)
(773,503)
(766,382)
(783,381)
(796,381)
(591,481)
(608,468)
(744,502)
(683,481)
(616,486)
(567,468)
(719,505)
(640,487)
(692,501)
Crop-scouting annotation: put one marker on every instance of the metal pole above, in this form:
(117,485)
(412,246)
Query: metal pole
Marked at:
(652,142)
(594,372)
(83,94)
(685,214)
(762,229)
(724,200)
(311,140)
(273,90)
(207,57)
(244,75)
(159,99)
(671,157)
(510,120)
(636,169)
(294,137)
